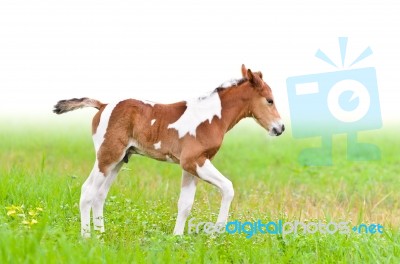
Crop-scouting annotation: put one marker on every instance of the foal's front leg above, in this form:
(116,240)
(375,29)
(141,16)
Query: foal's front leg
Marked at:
(186,198)
(209,173)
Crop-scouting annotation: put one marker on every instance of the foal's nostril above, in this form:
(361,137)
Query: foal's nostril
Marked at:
(277,131)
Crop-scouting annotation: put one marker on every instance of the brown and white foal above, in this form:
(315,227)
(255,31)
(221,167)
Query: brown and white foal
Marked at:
(186,133)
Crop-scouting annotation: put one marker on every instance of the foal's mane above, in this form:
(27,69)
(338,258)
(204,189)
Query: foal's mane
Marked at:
(224,86)
(230,84)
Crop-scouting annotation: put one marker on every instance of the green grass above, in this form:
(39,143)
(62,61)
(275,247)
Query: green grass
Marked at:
(43,166)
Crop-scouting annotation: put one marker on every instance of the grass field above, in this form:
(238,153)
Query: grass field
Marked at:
(43,167)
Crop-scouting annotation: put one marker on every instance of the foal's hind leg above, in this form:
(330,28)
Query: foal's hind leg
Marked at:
(99,199)
(88,191)
(96,187)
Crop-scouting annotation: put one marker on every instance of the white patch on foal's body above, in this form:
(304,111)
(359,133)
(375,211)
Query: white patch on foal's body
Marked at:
(101,130)
(157,145)
(152,122)
(197,111)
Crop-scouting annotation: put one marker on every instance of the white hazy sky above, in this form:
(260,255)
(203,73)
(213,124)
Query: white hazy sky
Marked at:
(171,50)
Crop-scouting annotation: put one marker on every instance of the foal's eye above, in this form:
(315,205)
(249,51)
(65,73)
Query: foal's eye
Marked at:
(270,101)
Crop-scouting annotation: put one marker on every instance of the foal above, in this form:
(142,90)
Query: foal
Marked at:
(186,133)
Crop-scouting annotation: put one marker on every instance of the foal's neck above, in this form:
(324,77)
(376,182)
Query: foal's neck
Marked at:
(235,107)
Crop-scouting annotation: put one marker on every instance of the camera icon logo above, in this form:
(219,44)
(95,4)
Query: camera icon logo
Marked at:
(325,104)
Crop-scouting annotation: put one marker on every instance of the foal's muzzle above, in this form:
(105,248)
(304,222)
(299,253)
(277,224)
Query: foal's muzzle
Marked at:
(277,129)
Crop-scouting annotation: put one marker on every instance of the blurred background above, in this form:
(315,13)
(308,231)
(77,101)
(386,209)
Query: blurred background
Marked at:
(172,50)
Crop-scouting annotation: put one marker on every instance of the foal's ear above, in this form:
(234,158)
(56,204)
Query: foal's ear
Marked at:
(254,79)
(244,71)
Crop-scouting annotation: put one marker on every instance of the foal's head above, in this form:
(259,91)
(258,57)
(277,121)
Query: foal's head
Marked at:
(262,105)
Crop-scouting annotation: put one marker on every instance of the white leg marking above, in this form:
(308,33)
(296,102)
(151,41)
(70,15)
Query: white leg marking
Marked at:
(100,197)
(96,179)
(89,190)
(152,122)
(157,145)
(209,173)
(197,111)
(98,138)
(186,198)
